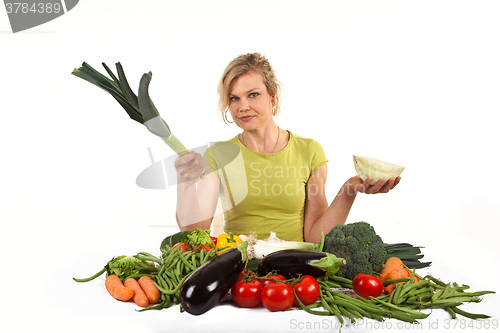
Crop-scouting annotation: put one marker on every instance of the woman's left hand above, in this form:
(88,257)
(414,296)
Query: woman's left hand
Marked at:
(382,186)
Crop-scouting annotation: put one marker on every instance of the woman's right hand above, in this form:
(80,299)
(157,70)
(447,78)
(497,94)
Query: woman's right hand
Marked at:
(189,167)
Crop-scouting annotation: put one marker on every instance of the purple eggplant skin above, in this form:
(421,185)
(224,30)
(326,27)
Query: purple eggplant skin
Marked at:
(290,263)
(207,285)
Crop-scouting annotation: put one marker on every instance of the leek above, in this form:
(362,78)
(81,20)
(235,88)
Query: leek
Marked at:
(139,108)
(258,249)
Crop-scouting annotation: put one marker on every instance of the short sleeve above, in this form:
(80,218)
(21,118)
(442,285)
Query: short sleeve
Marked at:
(318,156)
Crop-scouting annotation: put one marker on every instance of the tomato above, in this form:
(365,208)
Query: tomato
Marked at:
(183,246)
(277,296)
(277,277)
(246,272)
(246,293)
(307,290)
(201,247)
(367,286)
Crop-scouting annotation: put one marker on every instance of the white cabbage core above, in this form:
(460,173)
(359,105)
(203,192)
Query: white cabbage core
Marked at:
(376,169)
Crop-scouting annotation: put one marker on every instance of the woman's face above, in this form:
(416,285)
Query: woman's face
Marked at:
(250,104)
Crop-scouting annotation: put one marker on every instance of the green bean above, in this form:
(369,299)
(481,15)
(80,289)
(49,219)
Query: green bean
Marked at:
(396,292)
(308,310)
(160,306)
(185,257)
(168,281)
(92,277)
(468,314)
(209,255)
(361,302)
(173,263)
(412,286)
(348,304)
(416,292)
(347,314)
(337,312)
(171,256)
(457,299)
(403,316)
(355,313)
(325,304)
(202,255)
(178,268)
(477,293)
(416,314)
(436,281)
(175,290)
(148,257)
(329,283)
(173,277)
(444,305)
(193,261)
(342,280)
(452,313)
(388,282)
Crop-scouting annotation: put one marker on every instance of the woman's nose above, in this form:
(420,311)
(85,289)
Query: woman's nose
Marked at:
(244,105)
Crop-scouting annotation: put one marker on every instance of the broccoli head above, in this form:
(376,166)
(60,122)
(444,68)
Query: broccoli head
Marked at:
(359,245)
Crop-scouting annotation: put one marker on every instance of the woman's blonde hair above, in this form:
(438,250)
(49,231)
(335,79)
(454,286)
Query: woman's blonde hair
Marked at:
(251,62)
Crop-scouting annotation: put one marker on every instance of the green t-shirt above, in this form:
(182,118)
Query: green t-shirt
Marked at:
(265,192)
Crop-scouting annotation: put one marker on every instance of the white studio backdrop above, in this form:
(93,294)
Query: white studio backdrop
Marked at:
(415,83)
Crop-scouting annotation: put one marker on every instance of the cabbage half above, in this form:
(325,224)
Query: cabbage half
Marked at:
(376,169)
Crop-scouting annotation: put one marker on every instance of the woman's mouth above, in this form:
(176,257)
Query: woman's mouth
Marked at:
(246,118)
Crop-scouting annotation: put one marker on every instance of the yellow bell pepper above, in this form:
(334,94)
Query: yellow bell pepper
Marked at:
(228,239)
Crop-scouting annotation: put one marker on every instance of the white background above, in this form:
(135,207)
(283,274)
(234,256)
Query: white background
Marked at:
(415,83)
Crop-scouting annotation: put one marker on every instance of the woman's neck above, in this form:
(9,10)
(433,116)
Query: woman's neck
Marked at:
(265,141)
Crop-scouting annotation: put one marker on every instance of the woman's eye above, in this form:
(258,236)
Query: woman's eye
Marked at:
(233,99)
(254,94)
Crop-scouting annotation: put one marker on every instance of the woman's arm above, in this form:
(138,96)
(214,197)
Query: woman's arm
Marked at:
(196,197)
(319,216)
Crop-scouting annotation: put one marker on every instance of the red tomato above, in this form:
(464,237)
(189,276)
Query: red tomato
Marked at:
(201,247)
(307,290)
(183,246)
(214,239)
(246,294)
(245,272)
(367,286)
(277,277)
(277,296)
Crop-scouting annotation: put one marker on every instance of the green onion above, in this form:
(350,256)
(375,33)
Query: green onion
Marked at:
(139,108)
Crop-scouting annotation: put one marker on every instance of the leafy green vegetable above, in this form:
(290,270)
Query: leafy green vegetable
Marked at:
(198,237)
(124,267)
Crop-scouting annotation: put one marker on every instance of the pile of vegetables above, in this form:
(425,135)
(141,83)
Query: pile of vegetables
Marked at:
(198,271)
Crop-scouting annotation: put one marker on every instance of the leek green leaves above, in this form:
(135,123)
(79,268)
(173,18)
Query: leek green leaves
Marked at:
(139,108)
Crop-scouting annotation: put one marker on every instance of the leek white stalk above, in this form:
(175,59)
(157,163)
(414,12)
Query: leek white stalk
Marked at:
(258,249)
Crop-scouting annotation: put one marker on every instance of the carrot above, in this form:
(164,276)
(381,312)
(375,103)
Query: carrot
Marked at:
(139,296)
(391,264)
(148,285)
(116,289)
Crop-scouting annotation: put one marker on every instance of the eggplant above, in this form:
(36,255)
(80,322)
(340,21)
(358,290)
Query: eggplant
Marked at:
(207,285)
(292,262)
